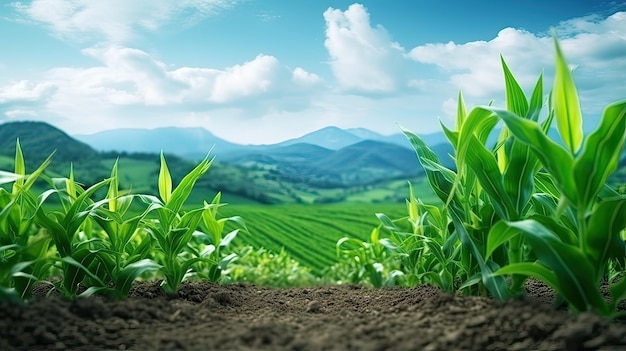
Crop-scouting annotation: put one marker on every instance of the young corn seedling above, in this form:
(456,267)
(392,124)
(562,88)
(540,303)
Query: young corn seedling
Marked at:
(173,228)
(577,234)
(64,226)
(374,260)
(25,251)
(122,247)
(211,242)
(429,253)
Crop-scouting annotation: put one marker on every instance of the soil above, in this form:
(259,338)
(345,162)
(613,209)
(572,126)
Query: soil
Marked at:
(247,317)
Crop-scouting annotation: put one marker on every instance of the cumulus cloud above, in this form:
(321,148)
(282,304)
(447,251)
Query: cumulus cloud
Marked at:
(24,98)
(26,92)
(129,83)
(114,20)
(362,58)
(595,46)
(131,76)
(474,67)
(304,78)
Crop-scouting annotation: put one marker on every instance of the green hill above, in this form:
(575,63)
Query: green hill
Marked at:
(285,177)
(38,140)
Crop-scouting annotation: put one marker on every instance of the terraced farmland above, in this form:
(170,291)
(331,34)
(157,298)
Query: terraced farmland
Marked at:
(309,232)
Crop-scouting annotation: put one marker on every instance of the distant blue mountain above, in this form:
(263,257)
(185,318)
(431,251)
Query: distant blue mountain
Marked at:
(194,143)
(330,137)
(179,141)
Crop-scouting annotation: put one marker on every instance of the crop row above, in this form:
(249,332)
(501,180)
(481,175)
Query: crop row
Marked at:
(308,233)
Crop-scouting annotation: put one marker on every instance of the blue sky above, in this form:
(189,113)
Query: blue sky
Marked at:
(267,70)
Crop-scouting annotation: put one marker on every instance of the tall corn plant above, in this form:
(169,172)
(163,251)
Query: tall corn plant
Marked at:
(482,191)
(25,251)
(575,232)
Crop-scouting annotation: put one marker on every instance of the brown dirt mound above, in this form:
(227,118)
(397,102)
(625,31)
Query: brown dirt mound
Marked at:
(247,317)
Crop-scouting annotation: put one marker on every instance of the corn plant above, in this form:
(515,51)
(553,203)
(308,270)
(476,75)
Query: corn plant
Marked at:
(525,185)
(266,268)
(472,206)
(121,248)
(173,228)
(212,242)
(375,260)
(429,252)
(577,231)
(25,250)
(65,226)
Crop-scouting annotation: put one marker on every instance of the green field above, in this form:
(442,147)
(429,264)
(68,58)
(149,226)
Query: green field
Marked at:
(308,232)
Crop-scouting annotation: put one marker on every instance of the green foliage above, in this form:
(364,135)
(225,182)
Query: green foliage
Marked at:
(308,233)
(529,206)
(573,252)
(101,246)
(266,268)
(372,261)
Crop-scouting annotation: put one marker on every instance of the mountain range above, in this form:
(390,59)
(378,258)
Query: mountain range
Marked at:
(327,157)
(195,142)
(328,165)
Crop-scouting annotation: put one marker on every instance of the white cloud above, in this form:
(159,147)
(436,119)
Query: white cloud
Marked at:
(304,78)
(26,92)
(115,20)
(131,76)
(363,59)
(475,67)
(24,98)
(595,46)
(131,87)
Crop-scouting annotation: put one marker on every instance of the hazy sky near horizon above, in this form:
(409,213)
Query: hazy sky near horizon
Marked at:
(262,71)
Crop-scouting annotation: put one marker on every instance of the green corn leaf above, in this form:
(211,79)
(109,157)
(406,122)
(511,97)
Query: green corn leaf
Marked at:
(515,99)
(129,273)
(536,101)
(519,174)
(566,105)
(485,167)
(113,192)
(499,234)
(183,190)
(577,277)
(479,122)
(461,113)
(501,150)
(75,216)
(566,233)
(602,240)
(534,269)
(228,238)
(75,270)
(8,177)
(439,178)
(20,168)
(497,286)
(165,181)
(451,135)
(70,184)
(600,154)
(32,178)
(553,157)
